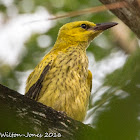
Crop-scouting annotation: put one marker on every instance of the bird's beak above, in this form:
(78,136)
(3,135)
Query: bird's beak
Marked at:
(104,26)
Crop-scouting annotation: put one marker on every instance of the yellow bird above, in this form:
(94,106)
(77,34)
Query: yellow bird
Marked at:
(62,79)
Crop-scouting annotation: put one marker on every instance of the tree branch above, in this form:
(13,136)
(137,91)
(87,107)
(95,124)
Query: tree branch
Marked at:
(21,115)
(130,14)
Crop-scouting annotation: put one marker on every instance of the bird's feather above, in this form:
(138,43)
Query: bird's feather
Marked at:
(35,79)
(34,90)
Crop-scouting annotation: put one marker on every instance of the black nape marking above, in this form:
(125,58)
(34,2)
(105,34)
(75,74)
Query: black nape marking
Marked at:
(34,91)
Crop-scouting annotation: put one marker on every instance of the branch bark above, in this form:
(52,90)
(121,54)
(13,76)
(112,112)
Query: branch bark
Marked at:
(22,115)
(130,14)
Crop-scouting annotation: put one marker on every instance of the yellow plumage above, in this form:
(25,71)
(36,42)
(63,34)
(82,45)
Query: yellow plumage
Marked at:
(62,79)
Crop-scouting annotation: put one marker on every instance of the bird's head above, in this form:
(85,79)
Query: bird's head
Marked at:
(82,31)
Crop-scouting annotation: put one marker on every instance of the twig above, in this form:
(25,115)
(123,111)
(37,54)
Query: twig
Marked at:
(91,10)
(86,11)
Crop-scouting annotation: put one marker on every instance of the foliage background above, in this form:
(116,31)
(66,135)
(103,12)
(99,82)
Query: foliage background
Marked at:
(114,106)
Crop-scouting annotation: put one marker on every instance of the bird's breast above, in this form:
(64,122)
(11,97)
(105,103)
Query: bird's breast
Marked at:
(65,85)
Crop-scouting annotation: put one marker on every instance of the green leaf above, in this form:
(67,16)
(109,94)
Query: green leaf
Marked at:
(116,115)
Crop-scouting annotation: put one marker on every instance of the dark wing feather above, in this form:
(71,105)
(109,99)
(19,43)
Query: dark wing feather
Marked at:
(34,91)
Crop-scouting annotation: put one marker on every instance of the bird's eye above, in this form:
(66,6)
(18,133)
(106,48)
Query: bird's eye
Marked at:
(84,26)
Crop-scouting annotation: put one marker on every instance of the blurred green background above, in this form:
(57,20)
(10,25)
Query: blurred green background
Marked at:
(114,59)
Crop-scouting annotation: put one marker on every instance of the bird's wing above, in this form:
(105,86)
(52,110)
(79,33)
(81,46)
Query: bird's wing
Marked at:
(35,80)
(89,80)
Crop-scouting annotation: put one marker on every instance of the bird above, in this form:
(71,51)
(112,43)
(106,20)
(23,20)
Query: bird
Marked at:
(62,80)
